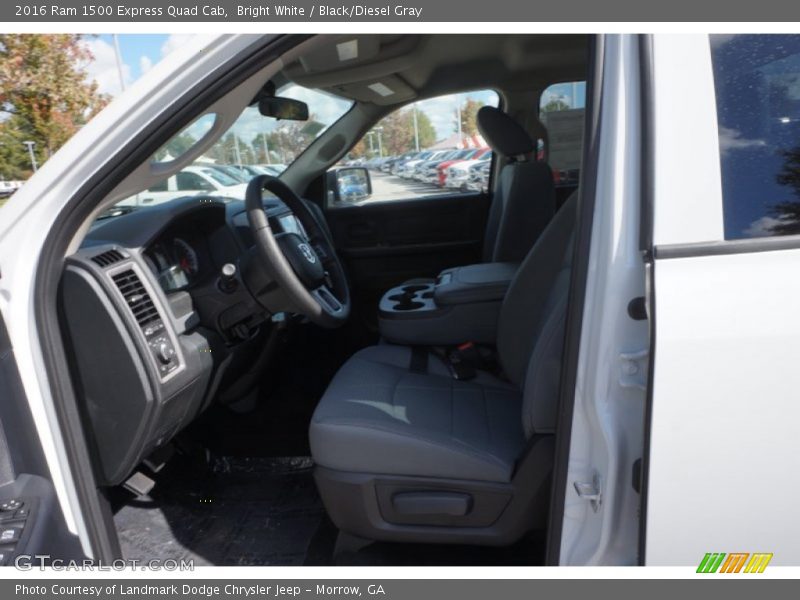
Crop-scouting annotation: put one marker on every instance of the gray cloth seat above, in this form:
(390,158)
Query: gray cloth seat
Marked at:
(379,416)
(524,201)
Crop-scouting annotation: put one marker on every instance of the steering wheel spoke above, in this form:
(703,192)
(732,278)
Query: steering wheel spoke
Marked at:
(306,269)
(327,300)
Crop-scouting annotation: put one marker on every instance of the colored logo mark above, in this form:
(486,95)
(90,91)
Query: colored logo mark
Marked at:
(736,562)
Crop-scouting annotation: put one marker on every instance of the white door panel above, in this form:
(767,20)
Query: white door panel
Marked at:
(725,422)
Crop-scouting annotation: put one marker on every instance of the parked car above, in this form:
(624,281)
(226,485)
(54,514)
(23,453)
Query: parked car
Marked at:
(406,169)
(427,172)
(194,180)
(478,179)
(465,154)
(456,175)
(9,187)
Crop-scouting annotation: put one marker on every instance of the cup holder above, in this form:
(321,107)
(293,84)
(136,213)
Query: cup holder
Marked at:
(408,298)
(409,305)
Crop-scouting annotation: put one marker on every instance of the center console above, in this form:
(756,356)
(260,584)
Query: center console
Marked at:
(461,304)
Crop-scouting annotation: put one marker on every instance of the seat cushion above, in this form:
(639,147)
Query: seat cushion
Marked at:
(379,417)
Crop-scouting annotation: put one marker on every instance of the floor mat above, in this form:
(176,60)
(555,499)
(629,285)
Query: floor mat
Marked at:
(242,511)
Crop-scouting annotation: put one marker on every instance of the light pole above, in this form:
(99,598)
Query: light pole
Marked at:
(238,153)
(380,140)
(416,129)
(371,143)
(117,54)
(266,148)
(458,121)
(30,146)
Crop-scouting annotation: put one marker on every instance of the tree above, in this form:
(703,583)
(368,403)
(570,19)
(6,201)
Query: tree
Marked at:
(395,134)
(469,116)
(787,212)
(44,92)
(555,105)
(427,132)
(176,146)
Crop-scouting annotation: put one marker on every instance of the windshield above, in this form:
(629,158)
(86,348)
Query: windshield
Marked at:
(220,177)
(253,144)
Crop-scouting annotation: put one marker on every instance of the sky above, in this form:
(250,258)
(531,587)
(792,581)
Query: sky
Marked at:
(138,54)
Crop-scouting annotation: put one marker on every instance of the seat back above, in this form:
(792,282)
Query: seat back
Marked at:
(524,199)
(530,333)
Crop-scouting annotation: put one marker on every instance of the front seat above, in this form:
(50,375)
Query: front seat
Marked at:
(524,200)
(404,452)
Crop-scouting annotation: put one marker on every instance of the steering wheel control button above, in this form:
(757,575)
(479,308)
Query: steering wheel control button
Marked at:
(5,554)
(227,278)
(11,505)
(22,513)
(10,535)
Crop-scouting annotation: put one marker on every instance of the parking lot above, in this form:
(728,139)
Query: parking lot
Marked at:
(392,187)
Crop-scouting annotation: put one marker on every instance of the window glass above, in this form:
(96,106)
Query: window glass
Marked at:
(561,111)
(253,142)
(187,181)
(757,82)
(161,186)
(220,176)
(426,149)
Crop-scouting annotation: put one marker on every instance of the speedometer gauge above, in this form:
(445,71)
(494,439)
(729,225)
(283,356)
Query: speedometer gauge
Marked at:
(186,257)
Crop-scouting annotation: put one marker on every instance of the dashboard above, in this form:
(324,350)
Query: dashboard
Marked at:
(175,262)
(153,336)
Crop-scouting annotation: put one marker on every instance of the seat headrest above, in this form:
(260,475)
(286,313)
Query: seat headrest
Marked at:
(503,133)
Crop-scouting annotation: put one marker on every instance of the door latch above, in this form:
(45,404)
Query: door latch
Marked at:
(590,491)
(633,371)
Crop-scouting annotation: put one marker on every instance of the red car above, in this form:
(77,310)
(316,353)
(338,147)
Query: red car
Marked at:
(466,154)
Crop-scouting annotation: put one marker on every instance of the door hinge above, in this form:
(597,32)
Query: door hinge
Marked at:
(633,371)
(590,491)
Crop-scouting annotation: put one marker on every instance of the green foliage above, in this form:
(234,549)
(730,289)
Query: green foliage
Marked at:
(469,116)
(555,105)
(394,134)
(44,94)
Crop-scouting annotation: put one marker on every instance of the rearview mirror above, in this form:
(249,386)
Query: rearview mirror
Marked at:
(287,109)
(350,184)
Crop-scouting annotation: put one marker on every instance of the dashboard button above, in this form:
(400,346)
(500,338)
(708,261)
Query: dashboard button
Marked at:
(8,505)
(10,535)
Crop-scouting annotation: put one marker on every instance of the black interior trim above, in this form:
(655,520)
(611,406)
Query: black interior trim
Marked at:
(102,535)
(577,298)
(647,142)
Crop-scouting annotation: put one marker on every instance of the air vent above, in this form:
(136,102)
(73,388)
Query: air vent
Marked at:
(136,297)
(108,258)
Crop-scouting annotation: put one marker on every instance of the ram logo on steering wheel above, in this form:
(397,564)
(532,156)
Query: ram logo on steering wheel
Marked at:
(308,253)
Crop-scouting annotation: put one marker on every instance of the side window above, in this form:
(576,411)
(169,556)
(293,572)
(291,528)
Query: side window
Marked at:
(187,182)
(757,82)
(425,149)
(561,110)
(161,186)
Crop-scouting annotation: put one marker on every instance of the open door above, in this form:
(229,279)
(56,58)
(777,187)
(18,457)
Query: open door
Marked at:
(723,420)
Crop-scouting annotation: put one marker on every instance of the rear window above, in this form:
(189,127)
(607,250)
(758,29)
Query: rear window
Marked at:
(757,81)
(561,110)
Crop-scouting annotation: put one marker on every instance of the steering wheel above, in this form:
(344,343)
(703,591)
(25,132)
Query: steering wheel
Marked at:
(306,270)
